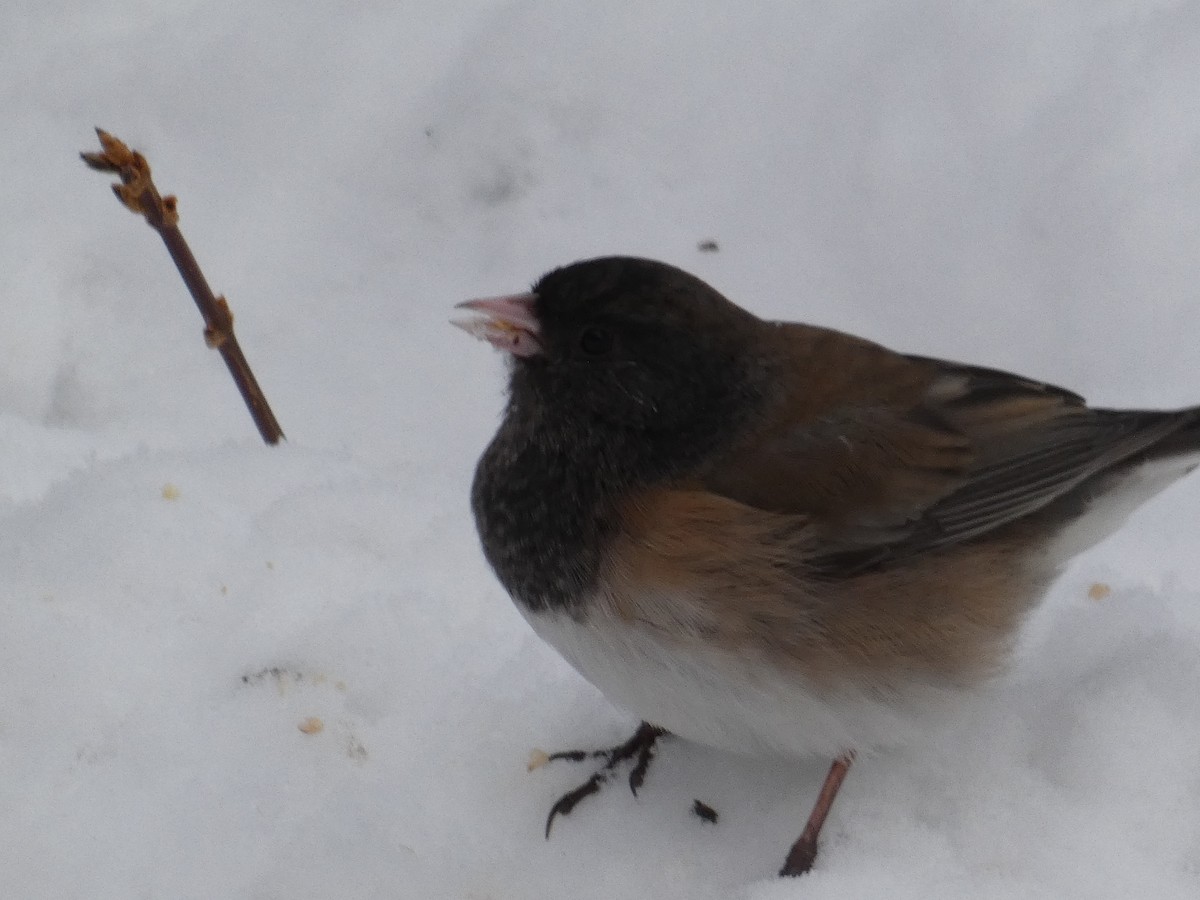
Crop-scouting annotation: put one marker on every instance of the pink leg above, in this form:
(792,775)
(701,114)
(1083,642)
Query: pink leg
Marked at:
(800,858)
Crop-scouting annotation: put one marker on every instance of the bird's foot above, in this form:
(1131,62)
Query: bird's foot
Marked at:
(640,749)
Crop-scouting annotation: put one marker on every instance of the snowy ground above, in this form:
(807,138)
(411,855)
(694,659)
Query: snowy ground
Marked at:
(1016,184)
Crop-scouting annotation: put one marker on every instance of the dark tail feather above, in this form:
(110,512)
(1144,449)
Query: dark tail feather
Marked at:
(1181,441)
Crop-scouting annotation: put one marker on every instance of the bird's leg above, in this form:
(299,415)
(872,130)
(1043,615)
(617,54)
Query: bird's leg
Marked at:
(800,858)
(639,748)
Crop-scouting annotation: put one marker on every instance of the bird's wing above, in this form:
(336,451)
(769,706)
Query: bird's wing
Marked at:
(971,450)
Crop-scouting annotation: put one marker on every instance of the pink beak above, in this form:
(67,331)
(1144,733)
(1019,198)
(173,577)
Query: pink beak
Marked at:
(509,323)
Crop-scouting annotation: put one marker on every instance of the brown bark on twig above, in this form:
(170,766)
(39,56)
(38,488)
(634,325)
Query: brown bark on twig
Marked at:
(139,194)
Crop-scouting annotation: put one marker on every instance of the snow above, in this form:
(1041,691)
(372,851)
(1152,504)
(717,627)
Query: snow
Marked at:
(1013,184)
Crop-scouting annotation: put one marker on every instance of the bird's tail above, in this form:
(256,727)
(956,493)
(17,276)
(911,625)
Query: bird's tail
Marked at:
(1181,442)
(1109,497)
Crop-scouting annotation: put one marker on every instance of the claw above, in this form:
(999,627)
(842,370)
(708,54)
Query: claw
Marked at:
(638,774)
(568,801)
(639,748)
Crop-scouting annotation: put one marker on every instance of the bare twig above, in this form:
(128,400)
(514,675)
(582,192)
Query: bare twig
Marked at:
(138,193)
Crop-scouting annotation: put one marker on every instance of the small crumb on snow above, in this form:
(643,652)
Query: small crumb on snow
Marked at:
(170,491)
(704,812)
(312,725)
(1099,591)
(537,759)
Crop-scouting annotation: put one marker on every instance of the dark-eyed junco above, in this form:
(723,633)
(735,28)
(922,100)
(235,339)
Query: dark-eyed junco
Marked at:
(776,538)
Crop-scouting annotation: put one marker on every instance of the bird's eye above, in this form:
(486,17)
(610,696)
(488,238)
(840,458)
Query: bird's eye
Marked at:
(595,341)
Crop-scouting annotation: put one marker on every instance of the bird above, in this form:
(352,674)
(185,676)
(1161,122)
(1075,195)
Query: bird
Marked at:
(776,538)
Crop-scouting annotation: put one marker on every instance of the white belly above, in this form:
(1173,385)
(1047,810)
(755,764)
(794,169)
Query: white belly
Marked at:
(735,702)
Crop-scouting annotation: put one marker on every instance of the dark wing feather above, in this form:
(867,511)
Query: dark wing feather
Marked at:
(976,450)
(1046,462)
